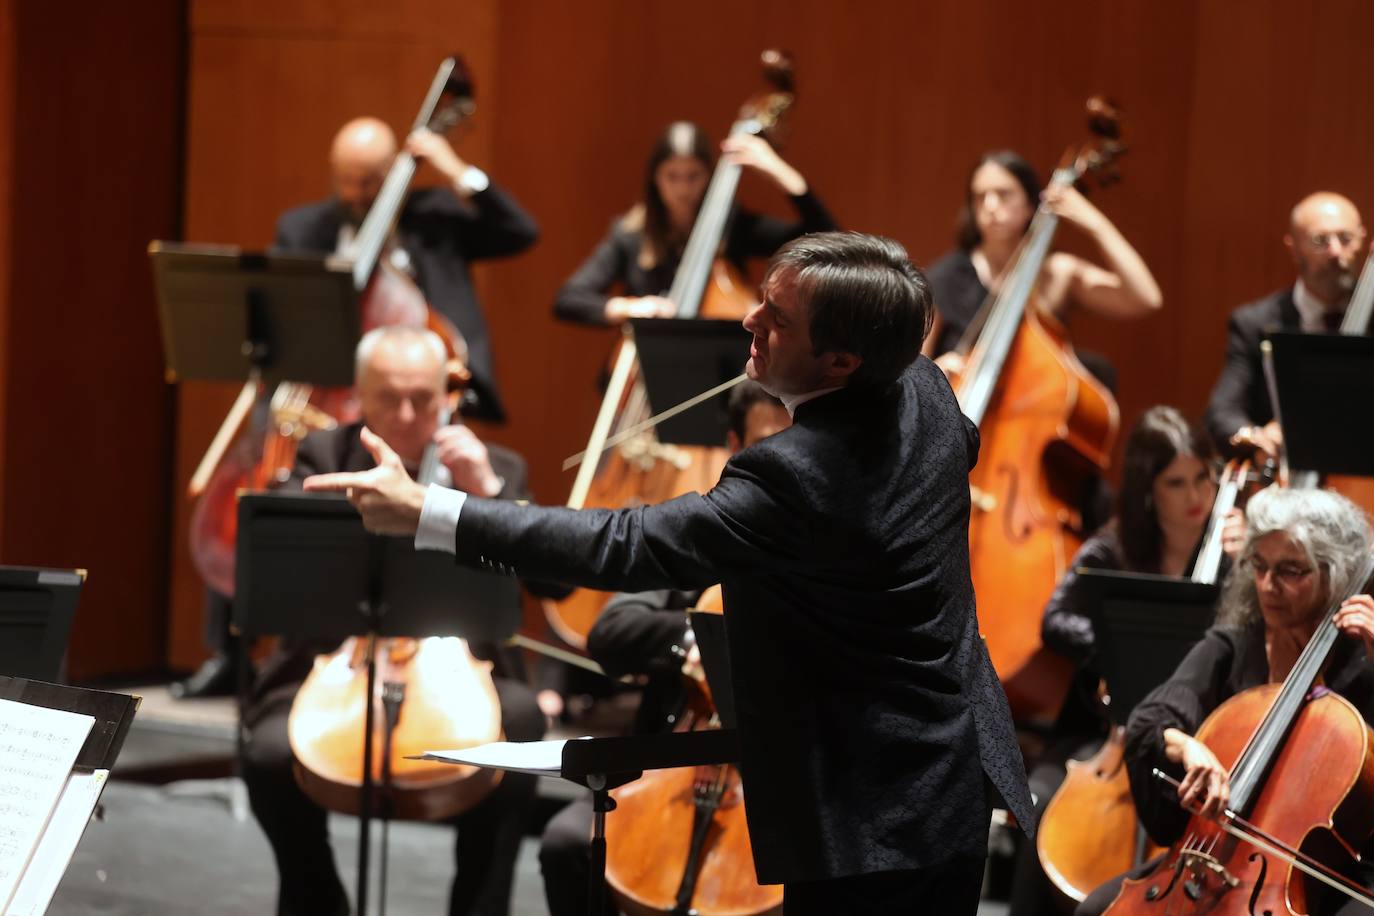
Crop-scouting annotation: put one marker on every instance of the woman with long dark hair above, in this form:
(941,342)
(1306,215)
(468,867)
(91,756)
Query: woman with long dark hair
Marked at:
(642,249)
(1001,196)
(1161,514)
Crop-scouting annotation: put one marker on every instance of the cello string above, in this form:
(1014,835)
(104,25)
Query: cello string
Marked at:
(1237,826)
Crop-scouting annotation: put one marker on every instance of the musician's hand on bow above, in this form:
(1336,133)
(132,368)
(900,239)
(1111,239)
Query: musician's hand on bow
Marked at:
(1356,619)
(755,152)
(389,501)
(427,146)
(467,459)
(1206,786)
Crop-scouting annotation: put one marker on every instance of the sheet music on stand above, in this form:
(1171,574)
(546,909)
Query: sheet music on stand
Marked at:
(57,745)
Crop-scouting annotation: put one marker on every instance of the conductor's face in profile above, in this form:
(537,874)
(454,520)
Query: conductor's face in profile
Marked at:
(782,356)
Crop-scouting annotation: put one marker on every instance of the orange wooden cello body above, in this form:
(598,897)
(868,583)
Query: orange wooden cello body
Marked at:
(677,841)
(1047,426)
(1301,764)
(643,470)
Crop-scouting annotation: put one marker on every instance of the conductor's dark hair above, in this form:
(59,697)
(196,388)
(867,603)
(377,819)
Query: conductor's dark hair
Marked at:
(1158,437)
(742,399)
(863,296)
(967,235)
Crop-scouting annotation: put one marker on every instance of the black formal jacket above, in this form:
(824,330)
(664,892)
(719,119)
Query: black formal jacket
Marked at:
(583,297)
(869,709)
(1240,396)
(442,236)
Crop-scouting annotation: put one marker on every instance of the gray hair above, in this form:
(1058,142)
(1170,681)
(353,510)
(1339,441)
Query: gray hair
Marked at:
(863,296)
(1329,528)
(398,335)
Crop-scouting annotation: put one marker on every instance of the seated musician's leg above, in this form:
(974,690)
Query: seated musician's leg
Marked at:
(296,827)
(489,834)
(565,859)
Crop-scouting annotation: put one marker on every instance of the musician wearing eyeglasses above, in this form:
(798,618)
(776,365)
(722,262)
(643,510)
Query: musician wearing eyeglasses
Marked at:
(1326,240)
(1303,550)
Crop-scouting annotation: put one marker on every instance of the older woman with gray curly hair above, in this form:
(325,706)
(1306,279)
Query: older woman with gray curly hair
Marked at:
(1303,550)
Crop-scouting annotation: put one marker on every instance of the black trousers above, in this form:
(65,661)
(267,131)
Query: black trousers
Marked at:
(949,889)
(488,838)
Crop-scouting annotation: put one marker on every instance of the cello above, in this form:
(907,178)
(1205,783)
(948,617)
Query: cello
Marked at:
(677,841)
(1280,821)
(643,470)
(1047,425)
(265,456)
(1089,832)
(427,693)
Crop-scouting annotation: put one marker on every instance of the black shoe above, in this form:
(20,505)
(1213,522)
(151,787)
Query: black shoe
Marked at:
(215,678)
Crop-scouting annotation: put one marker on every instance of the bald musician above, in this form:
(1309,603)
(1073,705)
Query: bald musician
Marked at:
(440,231)
(1325,238)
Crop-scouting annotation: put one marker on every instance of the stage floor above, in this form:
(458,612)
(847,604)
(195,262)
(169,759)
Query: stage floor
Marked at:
(176,836)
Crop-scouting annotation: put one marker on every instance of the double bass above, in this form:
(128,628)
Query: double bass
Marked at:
(677,841)
(1047,425)
(1282,826)
(643,470)
(264,457)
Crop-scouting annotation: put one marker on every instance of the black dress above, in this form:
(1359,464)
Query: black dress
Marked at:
(1226,662)
(616,258)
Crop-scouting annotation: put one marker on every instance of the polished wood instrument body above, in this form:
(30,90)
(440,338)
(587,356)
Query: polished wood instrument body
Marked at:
(677,841)
(449,702)
(1047,427)
(1301,765)
(644,471)
(1088,833)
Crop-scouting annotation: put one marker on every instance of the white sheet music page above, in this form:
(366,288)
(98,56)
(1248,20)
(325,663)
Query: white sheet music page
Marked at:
(55,849)
(38,747)
(542,758)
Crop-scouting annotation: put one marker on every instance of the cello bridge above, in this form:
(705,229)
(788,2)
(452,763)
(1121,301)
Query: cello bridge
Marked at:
(1197,861)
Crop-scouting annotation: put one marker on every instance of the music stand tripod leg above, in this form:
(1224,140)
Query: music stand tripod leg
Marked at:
(596,882)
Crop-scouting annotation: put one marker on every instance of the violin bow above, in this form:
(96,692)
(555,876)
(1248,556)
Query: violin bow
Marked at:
(632,431)
(1247,832)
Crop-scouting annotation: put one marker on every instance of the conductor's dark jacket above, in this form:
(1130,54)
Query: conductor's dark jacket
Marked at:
(1240,396)
(442,237)
(869,710)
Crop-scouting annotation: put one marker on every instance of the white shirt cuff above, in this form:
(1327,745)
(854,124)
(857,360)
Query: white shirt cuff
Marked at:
(439,519)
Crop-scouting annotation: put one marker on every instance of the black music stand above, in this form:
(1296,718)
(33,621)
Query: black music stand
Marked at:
(36,609)
(1144,626)
(681,358)
(1328,418)
(229,315)
(302,557)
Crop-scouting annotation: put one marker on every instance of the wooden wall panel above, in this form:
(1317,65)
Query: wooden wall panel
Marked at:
(1233,110)
(268,88)
(8,68)
(95,169)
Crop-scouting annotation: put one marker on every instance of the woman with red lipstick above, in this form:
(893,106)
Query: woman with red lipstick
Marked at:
(1003,193)
(642,250)
(1161,513)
